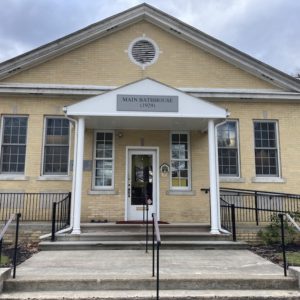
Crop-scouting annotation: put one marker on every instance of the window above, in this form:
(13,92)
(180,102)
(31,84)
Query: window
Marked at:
(228,149)
(103,160)
(266,152)
(56,149)
(180,161)
(13,146)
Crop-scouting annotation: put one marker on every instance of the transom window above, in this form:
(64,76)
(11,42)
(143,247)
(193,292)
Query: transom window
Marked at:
(228,149)
(103,160)
(13,146)
(56,149)
(266,148)
(180,161)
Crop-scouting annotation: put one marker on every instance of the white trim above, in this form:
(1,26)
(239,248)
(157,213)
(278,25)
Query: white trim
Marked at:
(103,188)
(189,187)
(54,178)
(156,49)
(268,180)
(47,176)
(213,94)
(141,148)
(103,192)
(180,193)
(232,179)
(13,177)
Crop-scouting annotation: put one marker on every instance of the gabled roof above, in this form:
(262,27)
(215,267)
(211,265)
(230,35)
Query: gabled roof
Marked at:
(146,104)
(164,21)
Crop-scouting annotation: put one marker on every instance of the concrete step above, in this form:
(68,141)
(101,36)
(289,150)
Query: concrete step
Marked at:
(139,245)
(149,283)
(113,227)
(164,295)
(140,236)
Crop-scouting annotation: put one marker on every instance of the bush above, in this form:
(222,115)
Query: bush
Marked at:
(272,233)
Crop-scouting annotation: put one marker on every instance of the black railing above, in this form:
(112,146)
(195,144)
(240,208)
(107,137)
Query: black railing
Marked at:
(259,206)
(16,216)
(32,206)
(60,215)
(228,220)
(155,241)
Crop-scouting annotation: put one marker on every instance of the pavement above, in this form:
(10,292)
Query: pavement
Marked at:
(138,264)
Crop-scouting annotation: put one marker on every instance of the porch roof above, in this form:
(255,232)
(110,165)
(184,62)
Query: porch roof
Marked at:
(146,104)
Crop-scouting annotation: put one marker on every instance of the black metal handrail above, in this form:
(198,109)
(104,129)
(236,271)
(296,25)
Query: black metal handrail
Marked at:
(155,237)
(16,216)
(60,215)
(32,206)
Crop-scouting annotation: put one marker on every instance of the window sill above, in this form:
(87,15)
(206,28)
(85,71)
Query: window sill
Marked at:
(180,193)
(54,178)
(232,179)
(103,192)
(13,177)
(268,180)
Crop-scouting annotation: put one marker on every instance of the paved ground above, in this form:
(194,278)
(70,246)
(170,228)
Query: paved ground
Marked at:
(136,263)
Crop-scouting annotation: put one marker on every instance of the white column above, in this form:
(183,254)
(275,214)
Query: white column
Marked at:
(213,178)
(79,170)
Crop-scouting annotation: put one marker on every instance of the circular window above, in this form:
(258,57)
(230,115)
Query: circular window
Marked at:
(143,51)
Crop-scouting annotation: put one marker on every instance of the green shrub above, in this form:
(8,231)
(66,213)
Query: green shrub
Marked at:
(271,234)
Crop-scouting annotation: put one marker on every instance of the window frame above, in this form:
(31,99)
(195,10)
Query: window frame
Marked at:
(236,121)
(43,174)
(189,187)
(1,142)
(278,175)
(96,187)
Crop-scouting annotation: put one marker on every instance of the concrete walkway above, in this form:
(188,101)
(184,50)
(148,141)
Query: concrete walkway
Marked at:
(136,263)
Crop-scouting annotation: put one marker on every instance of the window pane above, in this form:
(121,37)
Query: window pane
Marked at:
(179,161)
(13,144)
(227,149)
(104,159)
(56,153)
(266,154)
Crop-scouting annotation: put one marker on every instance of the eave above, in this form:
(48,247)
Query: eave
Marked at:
(84,91)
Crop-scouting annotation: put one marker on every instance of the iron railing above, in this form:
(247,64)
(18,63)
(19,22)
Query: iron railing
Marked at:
(60,215)
(16,216)
(32,206)
(228,220)
(259,206)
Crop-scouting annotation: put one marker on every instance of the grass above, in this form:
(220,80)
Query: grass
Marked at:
(4,260)
(293,258)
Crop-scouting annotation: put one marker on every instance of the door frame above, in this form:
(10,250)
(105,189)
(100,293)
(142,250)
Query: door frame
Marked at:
(142,148)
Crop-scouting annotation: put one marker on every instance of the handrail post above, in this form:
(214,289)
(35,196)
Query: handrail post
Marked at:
(69,209)
(147,229)
(16,244)
(53,221)
(157,270)
(283,244)
(256,207)
(153,251)
(1,243)
(233,222)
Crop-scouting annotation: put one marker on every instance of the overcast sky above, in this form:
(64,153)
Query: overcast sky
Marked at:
(269,30)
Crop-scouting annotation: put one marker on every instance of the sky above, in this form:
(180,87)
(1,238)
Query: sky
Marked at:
(268,30)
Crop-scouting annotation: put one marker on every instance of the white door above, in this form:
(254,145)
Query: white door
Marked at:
(141,183)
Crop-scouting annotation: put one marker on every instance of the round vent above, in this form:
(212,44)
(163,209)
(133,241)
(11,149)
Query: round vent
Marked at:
(143,52)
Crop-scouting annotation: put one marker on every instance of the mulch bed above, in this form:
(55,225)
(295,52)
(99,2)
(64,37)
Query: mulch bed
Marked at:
(25,251)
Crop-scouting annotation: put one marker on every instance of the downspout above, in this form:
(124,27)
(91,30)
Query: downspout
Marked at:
(218,177)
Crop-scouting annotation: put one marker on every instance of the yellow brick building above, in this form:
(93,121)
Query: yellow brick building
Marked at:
(139,107)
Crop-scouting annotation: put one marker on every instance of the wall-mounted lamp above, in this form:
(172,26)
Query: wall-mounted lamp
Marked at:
(120,134)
